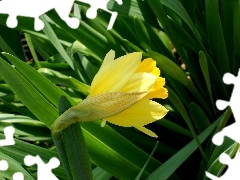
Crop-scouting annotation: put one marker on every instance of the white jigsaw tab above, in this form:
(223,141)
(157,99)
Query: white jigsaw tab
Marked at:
(44,170)
(232,172)
(18,176)
(231,131)
(100,4)
(9,140)
(3,165)
(36,8)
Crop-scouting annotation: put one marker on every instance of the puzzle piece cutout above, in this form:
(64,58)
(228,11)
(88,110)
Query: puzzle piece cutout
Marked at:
(3,165)
(44,170)
(36,8)
(232,172)
(231,131)
(18,176)
(100,4)
(9,140)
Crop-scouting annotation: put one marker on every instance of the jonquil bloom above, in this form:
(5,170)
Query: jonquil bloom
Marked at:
(120,94)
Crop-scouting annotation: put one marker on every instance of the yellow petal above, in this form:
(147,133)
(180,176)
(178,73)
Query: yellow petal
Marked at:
(108,58)
(146,131)
(149,65)
(140,82)
(114,74)
(158,91)
(142,113)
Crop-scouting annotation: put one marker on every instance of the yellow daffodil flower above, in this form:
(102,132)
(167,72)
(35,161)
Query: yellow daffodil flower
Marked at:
(120,94)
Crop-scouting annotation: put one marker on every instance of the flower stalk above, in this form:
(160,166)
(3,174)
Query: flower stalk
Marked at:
(72,149)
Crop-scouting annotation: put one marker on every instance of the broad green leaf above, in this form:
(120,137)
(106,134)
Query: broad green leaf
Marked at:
(173,126)
(100,174)
(236,38)
(181,109)
(199,118)
(68,81)
(38,81)
(35,102)
(142,34)
(215,36)
(166,169)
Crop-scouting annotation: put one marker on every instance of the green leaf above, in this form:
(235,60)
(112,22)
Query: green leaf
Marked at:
(166,169)
(35,102)
(199,118)
(12,38)
(215,36)
(14,167)
(38,81)
(134,8)
(32,50)
(236,38)
(206,74)
(173,70)
(142,33)
(100,174)
(68,81)
(21,149)
(181,109)
(229,147)
(142,170)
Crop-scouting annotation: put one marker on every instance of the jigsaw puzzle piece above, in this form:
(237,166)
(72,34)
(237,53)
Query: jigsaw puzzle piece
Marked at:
(63,13)
(18,176)
(9,140)
(100,4)
(221,104)
(232,172)
(3,165)
(229,78)
(44,170)
(230,131)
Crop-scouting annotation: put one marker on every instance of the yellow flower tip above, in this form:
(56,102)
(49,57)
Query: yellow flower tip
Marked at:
(146,131)
(158,91)
(147,65)
(109,57)
(103,123)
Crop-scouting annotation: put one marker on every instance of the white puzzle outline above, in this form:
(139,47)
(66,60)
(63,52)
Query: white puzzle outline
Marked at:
(36,8)
(231,131)
(44,169)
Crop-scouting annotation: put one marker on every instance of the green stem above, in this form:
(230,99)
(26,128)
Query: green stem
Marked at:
(77,154)
(63,156)
(72,149)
